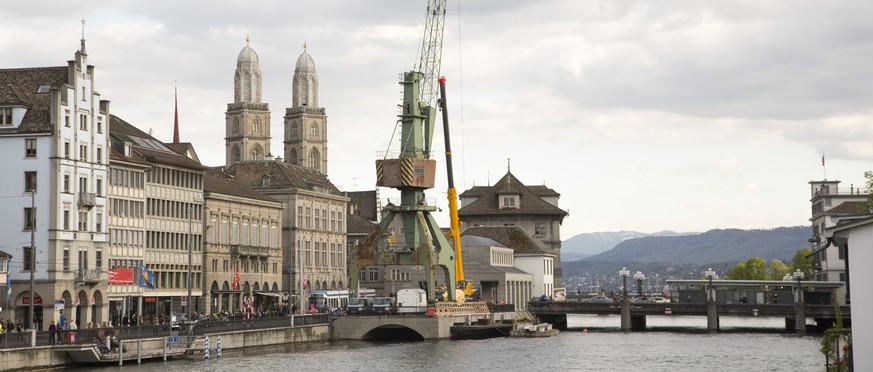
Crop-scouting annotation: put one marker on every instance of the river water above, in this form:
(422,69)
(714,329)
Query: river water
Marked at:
(669,344)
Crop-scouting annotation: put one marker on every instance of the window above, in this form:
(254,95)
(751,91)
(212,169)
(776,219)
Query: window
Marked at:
(28,258)
(99,155)
(98,259)
(83,152)
(99,223)
(540,229)
(29,218)
(99,125)
(5,116)
(30,181)
(66,219)
(67,150)
(83,258)
(510,201)
(313,160)
(313,131)
(256,125)
(83,119)
(30,147)
(83,221)
(66,183)
(236,125)
(67,120)
(99,187)
(66,262)
(83,184)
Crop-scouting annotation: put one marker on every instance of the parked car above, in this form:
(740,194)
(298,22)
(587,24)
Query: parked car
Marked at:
(599,300)
(660,300)
(643,300)
(359,306)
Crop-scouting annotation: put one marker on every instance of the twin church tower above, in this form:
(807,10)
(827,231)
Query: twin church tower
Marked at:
(248,118)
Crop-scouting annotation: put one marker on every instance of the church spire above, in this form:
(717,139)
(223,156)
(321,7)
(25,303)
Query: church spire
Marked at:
(176,115)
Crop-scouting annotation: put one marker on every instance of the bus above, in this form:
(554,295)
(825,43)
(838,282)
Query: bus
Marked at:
(322,298)
(334,299)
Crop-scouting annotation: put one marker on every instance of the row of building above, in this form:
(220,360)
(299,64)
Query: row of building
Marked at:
(110,221)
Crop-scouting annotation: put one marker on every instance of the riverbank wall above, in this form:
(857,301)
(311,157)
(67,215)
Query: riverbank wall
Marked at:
(45,358)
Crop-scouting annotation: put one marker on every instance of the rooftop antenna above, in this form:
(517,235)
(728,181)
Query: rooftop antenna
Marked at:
(83,36)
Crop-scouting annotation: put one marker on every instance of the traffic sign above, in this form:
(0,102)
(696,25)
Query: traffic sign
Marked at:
(118,305)
(284,295)
(184,300)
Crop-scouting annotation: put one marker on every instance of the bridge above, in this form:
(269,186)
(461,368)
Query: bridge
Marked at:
(709,302)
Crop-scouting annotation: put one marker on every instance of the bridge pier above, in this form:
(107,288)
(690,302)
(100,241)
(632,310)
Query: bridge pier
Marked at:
(625,315)
(799,325)
(711,317)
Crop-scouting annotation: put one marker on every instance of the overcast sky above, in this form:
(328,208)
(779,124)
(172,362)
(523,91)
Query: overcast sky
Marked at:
(645,116)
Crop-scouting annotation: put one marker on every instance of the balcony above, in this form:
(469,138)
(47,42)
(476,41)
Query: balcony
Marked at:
(87,200)
(87,276)
(247,250)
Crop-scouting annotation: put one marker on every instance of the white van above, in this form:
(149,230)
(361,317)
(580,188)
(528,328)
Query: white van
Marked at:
(412,300)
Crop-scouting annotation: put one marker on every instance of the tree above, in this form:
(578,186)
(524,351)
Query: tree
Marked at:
(738,272)
(802,262)
(778,269)
(756,269)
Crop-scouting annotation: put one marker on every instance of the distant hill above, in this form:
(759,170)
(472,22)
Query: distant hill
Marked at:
(588,244)
(714,246)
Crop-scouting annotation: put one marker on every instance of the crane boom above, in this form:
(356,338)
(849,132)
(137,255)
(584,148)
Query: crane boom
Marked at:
(455,226)
(432,50)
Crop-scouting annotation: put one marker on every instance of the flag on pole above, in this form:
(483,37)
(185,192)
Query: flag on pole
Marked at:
(822,160)
(146,277)
(235,283)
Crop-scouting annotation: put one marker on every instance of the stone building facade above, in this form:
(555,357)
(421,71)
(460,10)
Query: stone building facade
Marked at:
(53,135)
(247,120)
(127,200)
(173,220)
(313,222)
(243,248)
(306,122)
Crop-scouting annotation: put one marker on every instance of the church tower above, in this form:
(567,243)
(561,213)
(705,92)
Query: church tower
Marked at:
(247,119)
(306,122)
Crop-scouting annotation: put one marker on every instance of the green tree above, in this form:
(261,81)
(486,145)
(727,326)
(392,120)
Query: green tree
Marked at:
(800,261)
(756,268)
(778,269)
(737,272)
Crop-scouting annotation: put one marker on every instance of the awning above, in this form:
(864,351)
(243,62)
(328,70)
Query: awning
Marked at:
(271,294)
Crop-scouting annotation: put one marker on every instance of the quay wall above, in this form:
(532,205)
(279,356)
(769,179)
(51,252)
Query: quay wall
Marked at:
(43,358)
(269,337)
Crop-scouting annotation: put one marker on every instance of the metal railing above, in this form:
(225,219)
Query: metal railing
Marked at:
(98,335)
(87,199)
(88,275)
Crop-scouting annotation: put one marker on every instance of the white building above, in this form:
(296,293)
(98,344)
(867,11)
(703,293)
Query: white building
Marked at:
(856,238)
(830,205)
(53,130)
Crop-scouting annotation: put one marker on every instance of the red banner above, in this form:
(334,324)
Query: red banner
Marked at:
(121,275)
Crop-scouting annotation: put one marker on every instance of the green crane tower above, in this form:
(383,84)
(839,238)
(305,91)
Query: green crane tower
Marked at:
(412,172)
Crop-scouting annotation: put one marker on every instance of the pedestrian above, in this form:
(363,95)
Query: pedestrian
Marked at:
(62,324)
(52,329)
(18,329)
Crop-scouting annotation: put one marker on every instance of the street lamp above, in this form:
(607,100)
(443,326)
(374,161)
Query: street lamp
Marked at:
(798,275)
(710,274)
(624,272)
(639,276)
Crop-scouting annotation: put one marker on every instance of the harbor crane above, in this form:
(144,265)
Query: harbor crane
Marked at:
(412,170)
